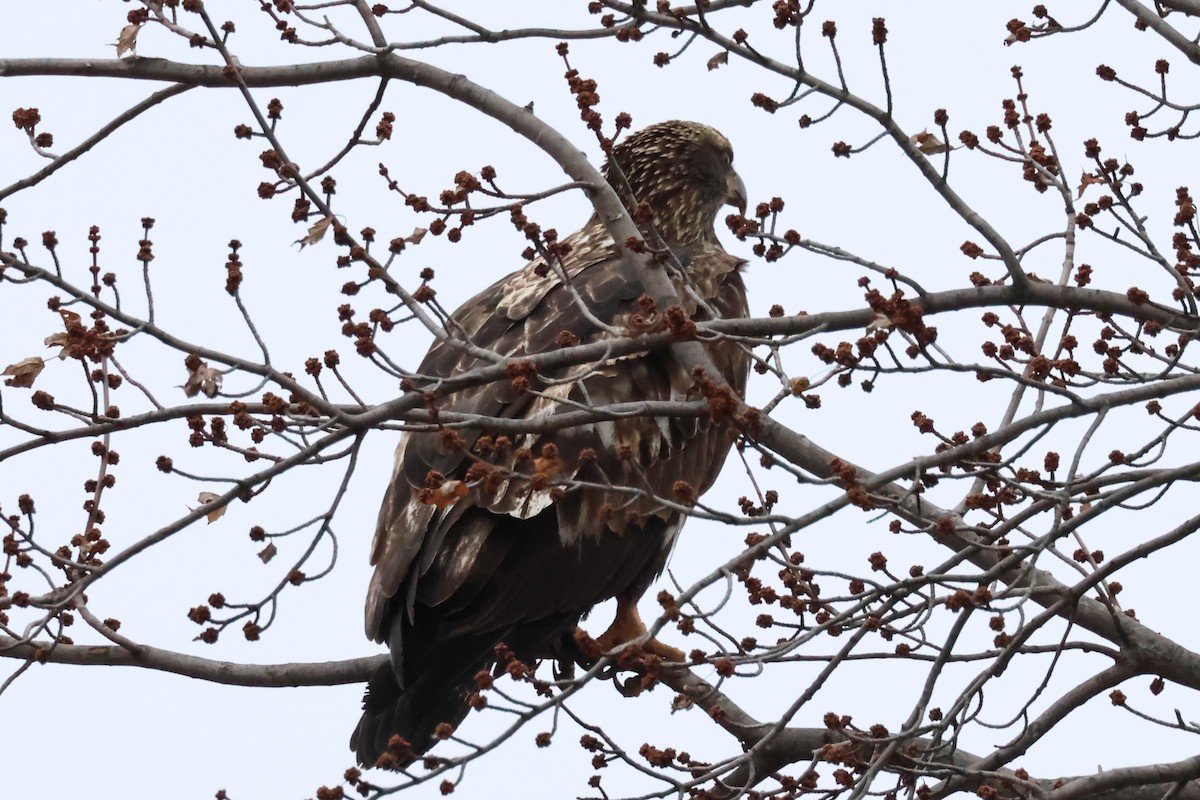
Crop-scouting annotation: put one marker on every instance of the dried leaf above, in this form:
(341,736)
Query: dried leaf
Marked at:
(127,40)
(1051,25)
(1087,180)
(880,322)
(416,236)
(929,144)
(719,60)
(58,340)
(681,702)
(267,553)
(799,385)
(316,233)
(203,379)
(24,373)
(72,323)
(214,515)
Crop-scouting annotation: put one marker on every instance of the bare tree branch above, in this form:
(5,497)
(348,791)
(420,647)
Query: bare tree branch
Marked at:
(317,673)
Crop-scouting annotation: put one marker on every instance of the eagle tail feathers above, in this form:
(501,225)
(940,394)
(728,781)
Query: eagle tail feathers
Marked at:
(422,713)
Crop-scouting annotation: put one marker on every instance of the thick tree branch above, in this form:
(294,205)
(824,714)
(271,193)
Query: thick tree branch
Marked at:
(791,746)
(1191,7)
(1135,783)
(1163,28)
(796,745)
(323,673)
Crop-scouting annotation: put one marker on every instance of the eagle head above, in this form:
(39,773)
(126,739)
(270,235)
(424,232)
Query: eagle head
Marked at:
(684,172)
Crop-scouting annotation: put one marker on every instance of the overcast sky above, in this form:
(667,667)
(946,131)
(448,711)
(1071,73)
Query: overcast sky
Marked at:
(128,733)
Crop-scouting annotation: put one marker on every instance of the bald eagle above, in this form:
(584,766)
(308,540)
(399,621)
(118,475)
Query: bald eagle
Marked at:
(486,539)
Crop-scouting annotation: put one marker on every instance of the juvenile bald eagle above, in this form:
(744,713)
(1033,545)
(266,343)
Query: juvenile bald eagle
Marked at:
(522,554)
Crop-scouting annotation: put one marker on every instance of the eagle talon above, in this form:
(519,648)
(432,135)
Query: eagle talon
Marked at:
(665,651)
(627,626)
(587,646)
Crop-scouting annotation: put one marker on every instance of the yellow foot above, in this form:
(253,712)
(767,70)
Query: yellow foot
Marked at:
(664,651)
(627,626)
(587,645)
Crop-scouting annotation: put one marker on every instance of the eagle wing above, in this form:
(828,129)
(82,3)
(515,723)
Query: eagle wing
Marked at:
(426,551)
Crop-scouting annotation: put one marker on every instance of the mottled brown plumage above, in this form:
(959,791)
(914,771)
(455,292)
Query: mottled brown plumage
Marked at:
(517,560)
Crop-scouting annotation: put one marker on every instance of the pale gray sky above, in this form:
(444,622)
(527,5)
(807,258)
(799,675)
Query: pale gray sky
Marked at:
(108,733)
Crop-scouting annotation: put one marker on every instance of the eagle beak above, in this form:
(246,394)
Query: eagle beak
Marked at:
(735,192)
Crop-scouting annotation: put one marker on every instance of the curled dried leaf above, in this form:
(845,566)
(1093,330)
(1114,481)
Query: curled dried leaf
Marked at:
(70,345)
(880,322)
(267,553)
(929,144)
(416,236)
(58,340)
(316,232)
(127,39)
(203,379)
(209,497)
(1087,180)
(719,60)
(24,372)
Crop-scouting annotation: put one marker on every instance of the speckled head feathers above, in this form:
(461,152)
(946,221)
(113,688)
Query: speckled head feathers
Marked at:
(684,172)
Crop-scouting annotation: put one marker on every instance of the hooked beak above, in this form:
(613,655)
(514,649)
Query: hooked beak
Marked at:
(735,192)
